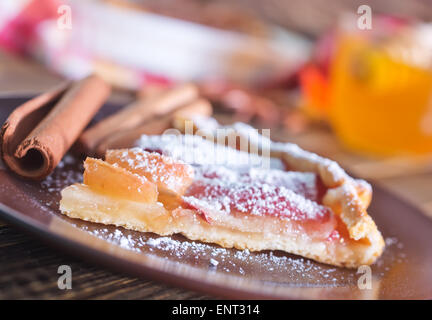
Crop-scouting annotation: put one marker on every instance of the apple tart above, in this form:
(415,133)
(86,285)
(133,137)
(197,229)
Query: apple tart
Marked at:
(297,202)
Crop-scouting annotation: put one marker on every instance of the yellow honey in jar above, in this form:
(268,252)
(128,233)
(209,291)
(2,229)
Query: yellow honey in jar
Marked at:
(381,100)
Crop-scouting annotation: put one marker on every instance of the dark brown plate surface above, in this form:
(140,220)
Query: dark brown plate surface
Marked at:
(404,271)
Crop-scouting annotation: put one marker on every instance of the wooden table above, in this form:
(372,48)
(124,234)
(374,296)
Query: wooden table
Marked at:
(28,268)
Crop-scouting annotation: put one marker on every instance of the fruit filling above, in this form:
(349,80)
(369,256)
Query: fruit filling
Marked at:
(169,175)
(293,198)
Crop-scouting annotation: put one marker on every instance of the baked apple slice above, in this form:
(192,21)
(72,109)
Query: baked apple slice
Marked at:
(168,175)
(114,181)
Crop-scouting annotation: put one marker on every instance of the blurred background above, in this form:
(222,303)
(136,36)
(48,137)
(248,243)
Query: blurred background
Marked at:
(350,80)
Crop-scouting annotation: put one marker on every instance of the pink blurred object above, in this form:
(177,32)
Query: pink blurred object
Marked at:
(131,48)
(19,33)
(22,33)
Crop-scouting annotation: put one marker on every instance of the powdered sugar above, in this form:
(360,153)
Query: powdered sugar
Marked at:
(295,152)
(253,193)
(258,143)
(62,175)
(196,150)
(271,266)
(158,168)
(68,171)
(242,187)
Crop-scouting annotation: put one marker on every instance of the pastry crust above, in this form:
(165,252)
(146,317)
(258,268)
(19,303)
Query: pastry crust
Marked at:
(79,201)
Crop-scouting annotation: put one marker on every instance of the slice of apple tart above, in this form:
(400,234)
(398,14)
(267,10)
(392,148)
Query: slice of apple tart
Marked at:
(302,204)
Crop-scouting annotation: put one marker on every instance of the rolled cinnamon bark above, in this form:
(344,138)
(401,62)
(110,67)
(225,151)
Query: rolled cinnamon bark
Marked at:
(154,126)
(158,104)
(38,133)
(201,108)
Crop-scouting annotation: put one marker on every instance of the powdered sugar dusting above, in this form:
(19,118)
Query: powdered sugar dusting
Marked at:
(240,188)
(270,265)
(289,148)
(258,141)
(296,152)
(158,168)
(250,192)
(196,150)
(68,171)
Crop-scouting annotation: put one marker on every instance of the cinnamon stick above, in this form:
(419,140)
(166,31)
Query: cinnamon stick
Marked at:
(201,108)
(138,112)
(154,126)
(38,133)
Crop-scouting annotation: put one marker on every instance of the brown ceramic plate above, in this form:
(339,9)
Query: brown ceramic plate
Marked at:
(403,272)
